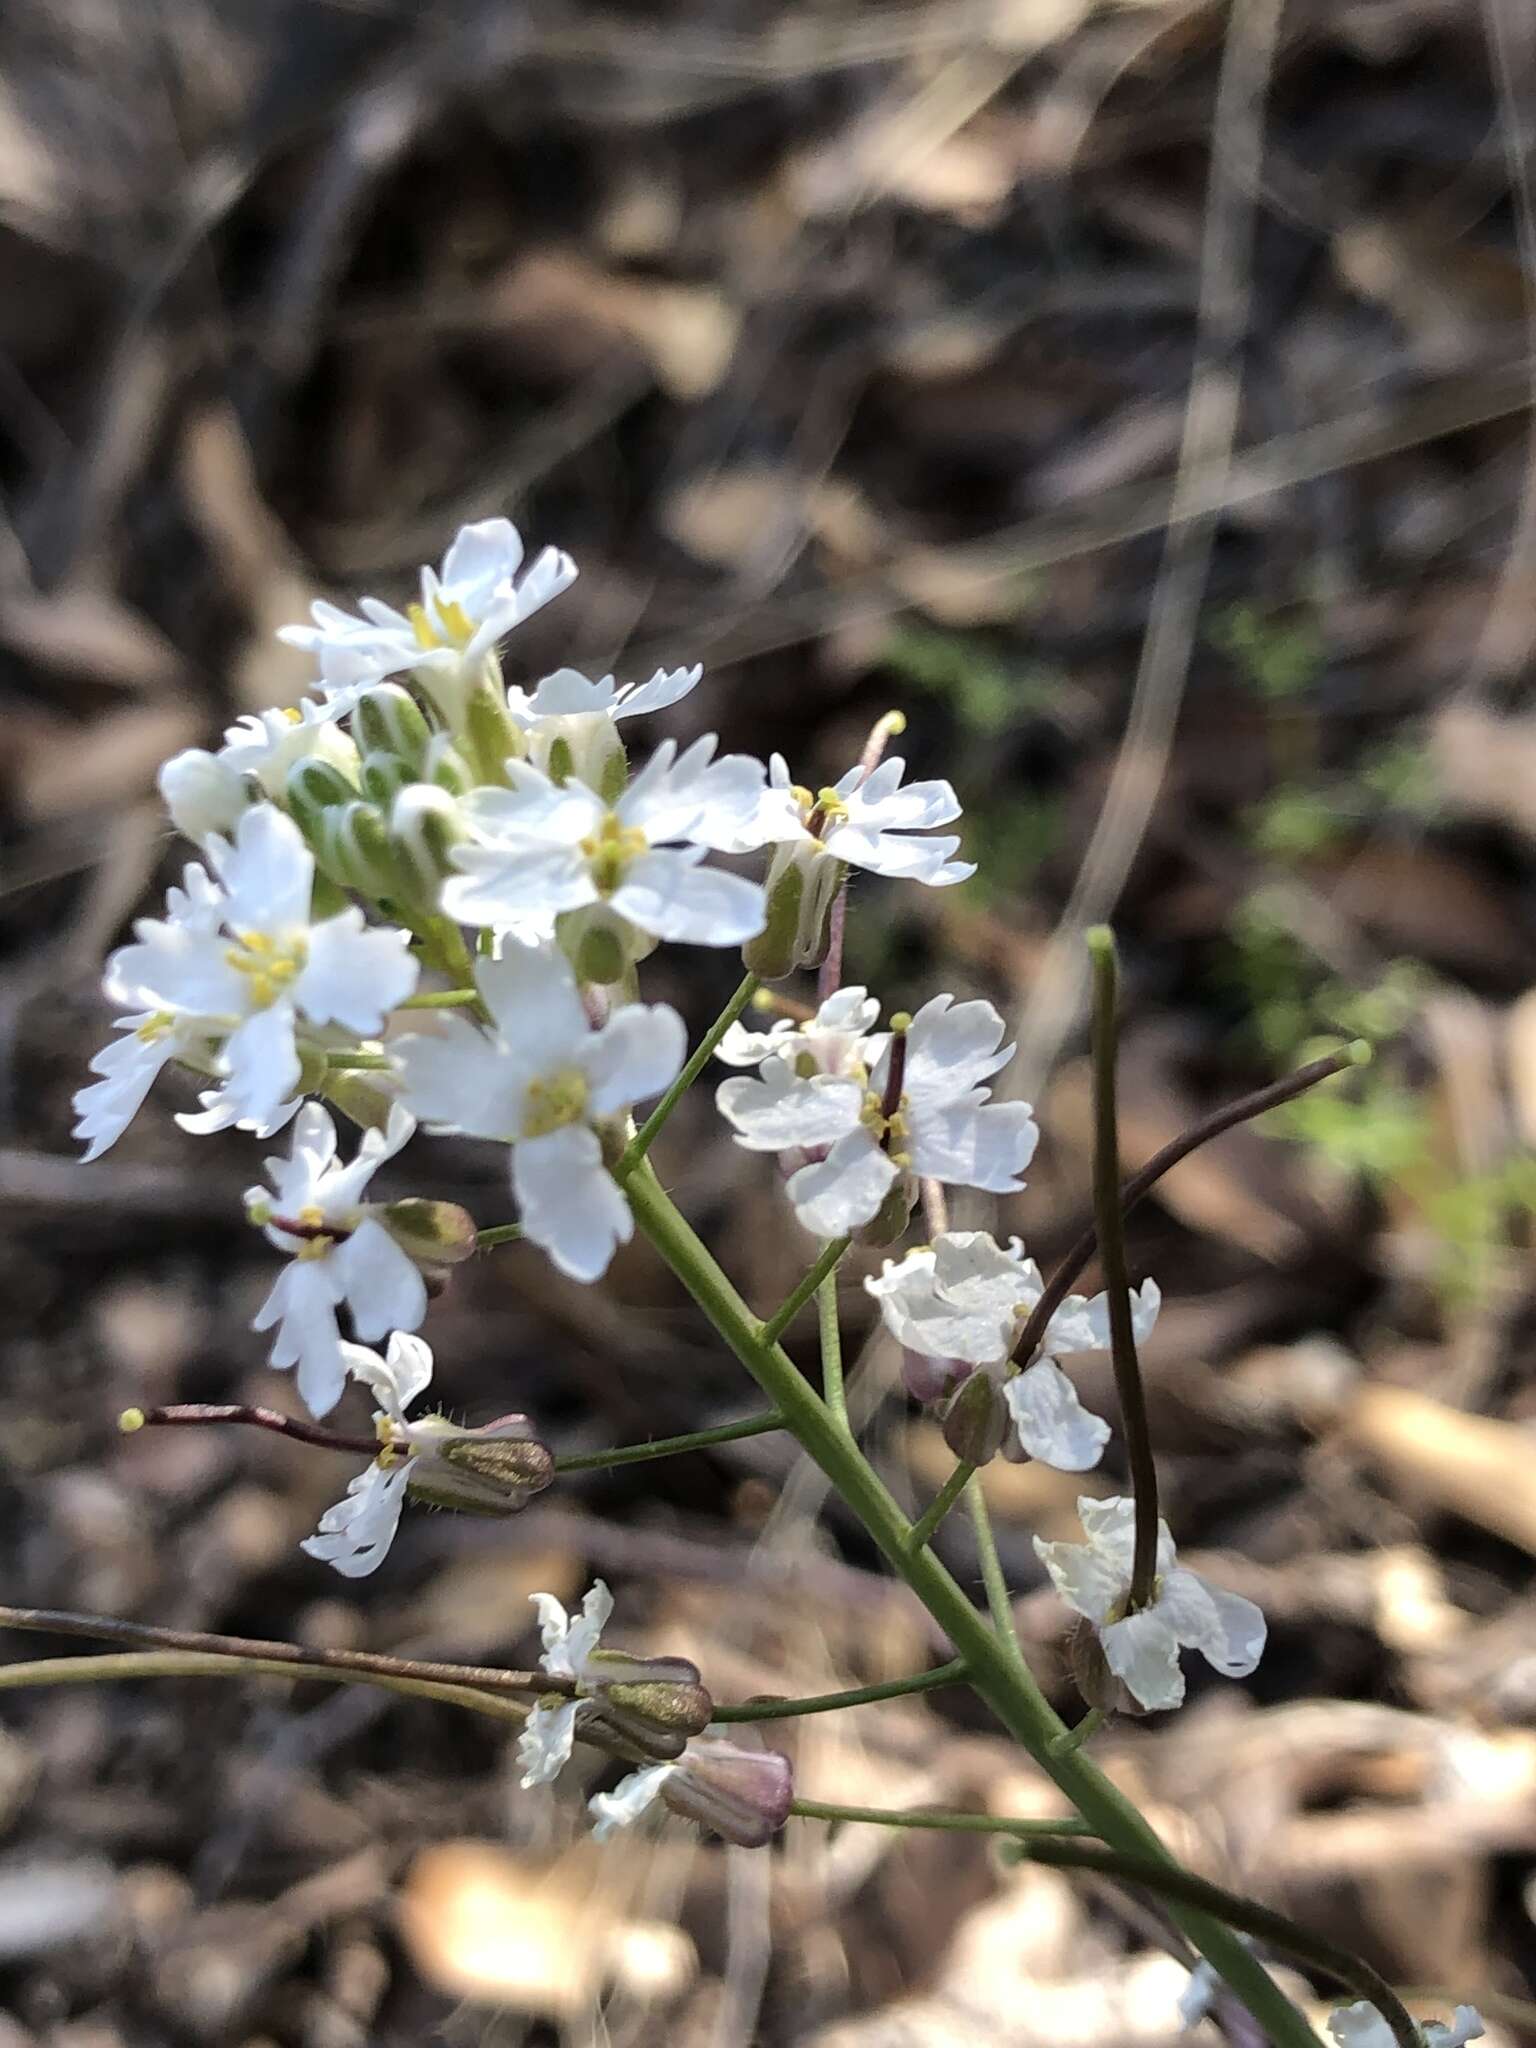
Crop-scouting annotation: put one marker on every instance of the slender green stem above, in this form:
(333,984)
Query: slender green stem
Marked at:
(928,1521)
(804,1288)
(1352,1971)
(1142,1182)
(498,1233)
(1075,1737)
(116,1665)
(833,1391)
(1012,1695)
(1026,1831)
(953,1673)
(358,1062)
(670,1446)
(441,999)
(1110,1220)
(641,1142)
(999,1599)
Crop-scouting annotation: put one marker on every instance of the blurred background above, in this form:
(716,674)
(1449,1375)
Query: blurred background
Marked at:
(1138,397)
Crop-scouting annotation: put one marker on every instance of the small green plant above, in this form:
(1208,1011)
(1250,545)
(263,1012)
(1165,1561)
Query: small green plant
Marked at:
(1278,657)
(985,694)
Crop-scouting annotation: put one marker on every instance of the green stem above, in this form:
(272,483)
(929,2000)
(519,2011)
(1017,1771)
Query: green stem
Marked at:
(640,1143)
(1110,1220)
(833,1391)
(1013,1696)
(833,1702)
(1320,1954)
(441,999)
(804,1288)
(1026,1831)
(670,1446)
(116,1665)
(999,1599)
(358,1062)
(498,1233)
(1074,1738)
(932,1515)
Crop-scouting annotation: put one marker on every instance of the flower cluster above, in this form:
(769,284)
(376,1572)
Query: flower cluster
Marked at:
(421,899)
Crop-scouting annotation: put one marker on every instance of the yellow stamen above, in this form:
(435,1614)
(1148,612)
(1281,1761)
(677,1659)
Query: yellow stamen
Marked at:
(447,624)
(609,851)
(268,966)
(553,1101)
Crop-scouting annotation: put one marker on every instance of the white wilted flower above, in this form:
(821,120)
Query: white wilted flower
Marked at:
(571,724)
(251,966)
(443,640)
(1362,2026)
(544,848)
(494,1469)
(965,1296)
(922,1111)
(155,1031)
(339,1251)
(740,1794)
(1142,1649)
(543,1081)
(865,820)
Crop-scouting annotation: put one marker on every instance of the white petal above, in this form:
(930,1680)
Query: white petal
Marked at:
(507,884)
(1226,1629)
(1143,1653)
(302,1305)
(850,1009)
(383,1286)
(544,1747)
(1083,1325)
(1052,1423)
(636,1054)
(778,1111)
(261,1062)
(455,1078)
(342,1187)
(1360,2026)
(899,857)
(312,1150)
(1084,1577)
(973,1270)
(480,556)
(1110,1526)
(567,693)
(128,1067)
(974,1145)
(952,1048)
(568,1201)
(268,874)
(355,1534)
(554,1626)
(743,1048)
(937,1324)
(843,1190)
(879,802)
(630,1798)
(355,976)
(667,893)
(585,1631)
(666,687)
(532,993)
(1466,2025)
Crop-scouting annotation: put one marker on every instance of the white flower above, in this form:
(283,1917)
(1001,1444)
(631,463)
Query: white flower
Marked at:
(571,724)
(251,971)
(266,745)
(541,1081)
(1142,1649)
(922,1111)
(203,792)
(628,1800)
(156,1030)
(494,1469)
(443,640)
(340,1252)
(354,1536)
(965,1296)
(546,848)
(864,821)
(570,1644)
(1362,2026)
(837,1041)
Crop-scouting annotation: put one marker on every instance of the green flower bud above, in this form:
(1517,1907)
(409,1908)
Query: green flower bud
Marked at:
(774,952)
(434,1233)
(315,789)
(893,1215)
(424,828)
(445,766)
(360,1094)
(494,1470)
(384,775)
(389,721)
(976,1420)
(492,735)
(354,844)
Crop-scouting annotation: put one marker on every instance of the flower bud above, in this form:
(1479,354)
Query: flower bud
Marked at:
(641,1708)
(600,944)
(384,775)
(354,844)
(389,721)
(203,793)
(1091,1674)
(491,736)
(494,1470)
(893,1215)
(976,1420)
(315,789)
(742,1795)
(360,1094)
(774,953)
(802,885)
(425,826)
(434,1233)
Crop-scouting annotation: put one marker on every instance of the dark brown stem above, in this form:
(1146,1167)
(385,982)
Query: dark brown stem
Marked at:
(197,1413)
(99,1628)
(1142,1182)
(1110,1219)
